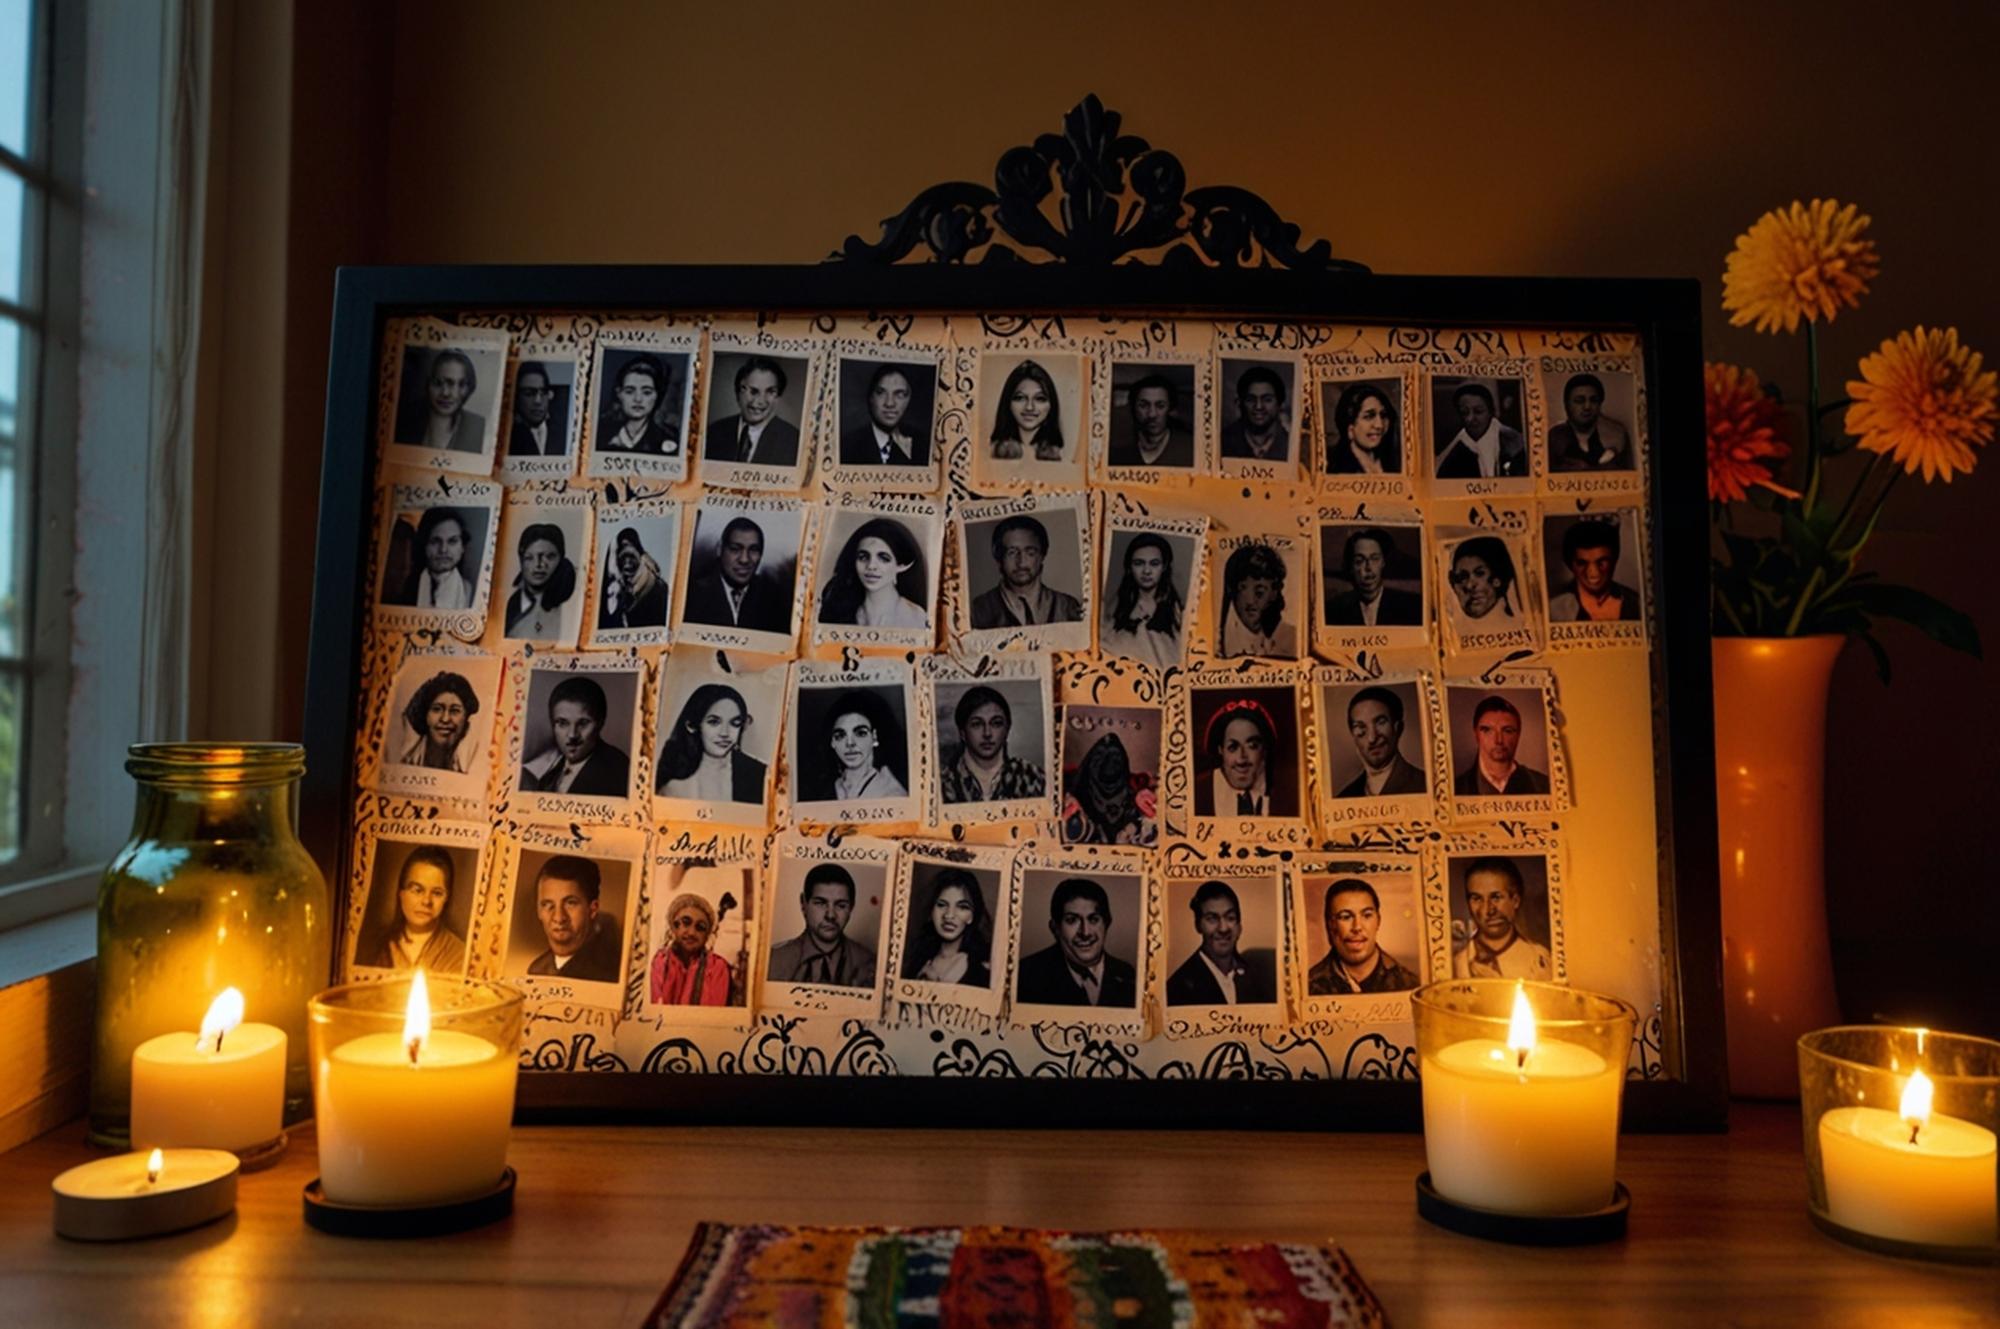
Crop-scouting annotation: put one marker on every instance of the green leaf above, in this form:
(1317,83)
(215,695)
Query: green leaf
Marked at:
(1928,614)
(1881,654)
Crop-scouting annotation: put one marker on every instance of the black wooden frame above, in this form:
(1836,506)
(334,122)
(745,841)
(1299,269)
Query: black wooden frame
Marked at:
(1691,1095)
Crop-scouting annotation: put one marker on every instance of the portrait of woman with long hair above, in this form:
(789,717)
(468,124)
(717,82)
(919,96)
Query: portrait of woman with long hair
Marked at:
(951,932)
(1027,422)
(1146,616)
(637,416)
(879,579)
(702,756)
(1363,438)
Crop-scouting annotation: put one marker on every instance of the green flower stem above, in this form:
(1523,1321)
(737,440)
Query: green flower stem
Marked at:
(1799,606)
(1811,498)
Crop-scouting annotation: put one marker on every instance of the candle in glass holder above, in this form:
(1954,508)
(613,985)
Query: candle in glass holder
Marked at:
(1910,1175)
(221,1088)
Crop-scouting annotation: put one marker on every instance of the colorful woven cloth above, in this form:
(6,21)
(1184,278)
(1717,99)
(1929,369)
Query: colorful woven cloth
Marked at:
(969,1278)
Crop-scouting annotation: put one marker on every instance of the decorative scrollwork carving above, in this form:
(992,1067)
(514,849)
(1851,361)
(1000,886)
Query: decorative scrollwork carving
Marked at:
(1092,196)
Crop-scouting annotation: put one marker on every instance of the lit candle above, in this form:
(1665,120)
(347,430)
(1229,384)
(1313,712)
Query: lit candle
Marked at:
(415,1119)
(1529,1126)
(144,1194)
(221,1088)
(1909,1175)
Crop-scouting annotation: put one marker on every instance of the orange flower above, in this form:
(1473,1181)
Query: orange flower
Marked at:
(1745,427)
(1922,401)
(1805,261)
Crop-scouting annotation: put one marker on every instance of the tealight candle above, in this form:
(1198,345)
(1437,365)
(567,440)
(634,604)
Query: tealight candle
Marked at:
(144,1194)
(221,1088)
(1910,1175)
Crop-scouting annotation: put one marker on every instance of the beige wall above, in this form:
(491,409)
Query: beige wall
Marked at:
(1538,139)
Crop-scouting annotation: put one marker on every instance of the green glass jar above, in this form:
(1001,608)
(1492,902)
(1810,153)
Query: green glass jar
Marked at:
(214,891)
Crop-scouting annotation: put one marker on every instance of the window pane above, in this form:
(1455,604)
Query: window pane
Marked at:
(17,35)
(13,205)
(11,724)
(13,607)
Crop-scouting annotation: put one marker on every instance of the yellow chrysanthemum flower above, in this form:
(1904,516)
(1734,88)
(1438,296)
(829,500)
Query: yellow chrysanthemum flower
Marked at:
(1922,402)
(1805,261)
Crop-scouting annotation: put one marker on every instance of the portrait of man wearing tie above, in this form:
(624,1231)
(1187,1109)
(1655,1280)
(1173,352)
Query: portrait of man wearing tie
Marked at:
(541,412)
(757,434)
(885,412)
(1078,969)
(572,754)
(730,587)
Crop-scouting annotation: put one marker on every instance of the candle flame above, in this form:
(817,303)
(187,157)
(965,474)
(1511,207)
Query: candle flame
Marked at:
(224,1014)
(1916,1111)
(1521,1027)
(417,1017)
(155,1163)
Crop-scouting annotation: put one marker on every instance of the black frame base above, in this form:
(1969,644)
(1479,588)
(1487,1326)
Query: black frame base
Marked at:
(423,1220)
(1904,1250)
(1606,1224)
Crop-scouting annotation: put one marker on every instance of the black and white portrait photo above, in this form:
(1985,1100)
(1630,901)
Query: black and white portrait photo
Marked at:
(1500,916)
(577,732)
(1365,934)
(991,737)
(419,909)
(718,734)
(1371,575)
(440,724)
(1110,760)
(1222,941)
(1080,935)
(1152,417)
(1246,753)
(949,934)
(885,409)
(1025,569)
(544,402)
(826,923)
(1029,414)
(1374,740)
(448,398)
(1478,427)
(1593,567)
(1145,598)
(1257,402)
(642,397)
(1263,588)
(1483,574)
(540,549)
(569,916)
(636,564)
(878,570)
(755,409)
(1499,741)
(1363,423)
(434,555)
(743,562)
(1592,411)
(853,744)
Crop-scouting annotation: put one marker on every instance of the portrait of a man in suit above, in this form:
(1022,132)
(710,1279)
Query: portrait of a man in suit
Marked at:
(1020,549)
(1375,722)
(823,952)
(1077,970)
(578,761)
(891,433)
(1588,439)
(1496,733)
(1220,972)
(756,435)
(1372,602)
(1154,434)
(584,942)
(1482,447)
(733,592)
(539,430)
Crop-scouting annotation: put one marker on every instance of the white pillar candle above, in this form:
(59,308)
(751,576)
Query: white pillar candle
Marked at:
(414,1120)
(221,1088)
(1910,1175)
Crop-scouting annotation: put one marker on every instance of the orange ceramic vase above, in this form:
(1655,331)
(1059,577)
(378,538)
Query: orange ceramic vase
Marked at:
(1770,778)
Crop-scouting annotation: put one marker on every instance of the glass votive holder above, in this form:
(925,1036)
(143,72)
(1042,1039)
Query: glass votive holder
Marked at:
(407,1121)
(1526,1131)
(1887,1170)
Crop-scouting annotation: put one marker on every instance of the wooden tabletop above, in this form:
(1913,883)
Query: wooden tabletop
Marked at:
(1719,1232)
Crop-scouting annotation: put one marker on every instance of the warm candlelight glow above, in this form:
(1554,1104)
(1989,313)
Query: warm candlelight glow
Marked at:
(417,1017)
(224,1014)
(1521,1027)
(1916,1108)
(155,1161)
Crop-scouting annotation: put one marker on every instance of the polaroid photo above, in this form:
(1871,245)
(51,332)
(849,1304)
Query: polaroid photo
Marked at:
(1595,412)
(577,739)
(1152,412)
(884,432)
(856,743)
(1225,946)
(951,927)
(438,728)
(1362,938)
(1151,581)
(719,722)
(877,579)
(1504,906)
(1083,938)
(1243,762)
(1111,774)
(1261,418)
(1480,424)
(701,941)
(762,398)
(1364,431)
(1259,596)
(1502,744)
(995,737)
(415,910)
(545,550)
(1028,419)
(1024,568)
(633,573)
(444,411)
(545,425)
(1595,575)
(1491,600)
(642,377)
(436,568)
(568,903)
(826,919)
(1374,762)
(745,558)
(1373,583)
